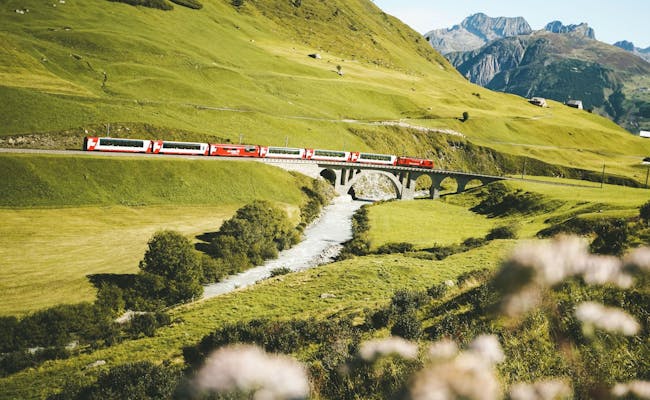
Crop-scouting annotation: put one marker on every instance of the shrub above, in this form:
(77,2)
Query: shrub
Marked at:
(140,380)
(193,4)
(405,300)
(407,325)
(644,212)
(258,230)
(611,237)
(280,271)
(401,247)
(502,232)
(465,116)
(159,4)
(437,291)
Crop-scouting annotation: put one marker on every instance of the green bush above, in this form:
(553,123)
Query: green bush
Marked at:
(141,380)
(644,212)
(193,4)
(502,232)
(159,4)
(258,230)
(611,237)
(437,291)
(280,271)
(389,248)
(407,325)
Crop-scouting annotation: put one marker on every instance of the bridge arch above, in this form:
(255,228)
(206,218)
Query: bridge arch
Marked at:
(367,172)
(329,175)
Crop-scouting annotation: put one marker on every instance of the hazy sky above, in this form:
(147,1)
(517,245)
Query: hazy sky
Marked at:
(613,20)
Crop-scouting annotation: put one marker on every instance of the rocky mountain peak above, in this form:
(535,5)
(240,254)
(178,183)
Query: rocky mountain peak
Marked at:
(495,28)
(581,29)
(625,45)
(475,31)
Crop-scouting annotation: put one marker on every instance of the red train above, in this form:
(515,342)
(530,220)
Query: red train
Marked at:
(247,150)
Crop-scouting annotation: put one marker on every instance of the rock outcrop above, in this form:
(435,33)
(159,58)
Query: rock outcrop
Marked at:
(475,31)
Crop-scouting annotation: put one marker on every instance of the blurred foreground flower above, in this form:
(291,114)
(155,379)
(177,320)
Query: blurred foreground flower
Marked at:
(535,266)
(374,349)
(640,389)
(541,390)
(249,369)
(607,318)
(469,375)
(638,260)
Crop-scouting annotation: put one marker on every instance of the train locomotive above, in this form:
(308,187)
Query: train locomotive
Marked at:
(248,150)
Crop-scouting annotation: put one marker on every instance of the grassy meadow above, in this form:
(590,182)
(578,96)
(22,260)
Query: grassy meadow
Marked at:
(425,223)
(67,217)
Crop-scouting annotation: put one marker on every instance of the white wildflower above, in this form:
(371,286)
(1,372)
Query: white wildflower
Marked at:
(249,369)
(443,349)
(599,270)
(640,389)
(638,259)
(487,347)
(374,349)
(607,318)
(542,390)
(467,376)
(537,265)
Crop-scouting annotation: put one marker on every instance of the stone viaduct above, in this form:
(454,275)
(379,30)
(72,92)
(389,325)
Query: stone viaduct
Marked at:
(344,175)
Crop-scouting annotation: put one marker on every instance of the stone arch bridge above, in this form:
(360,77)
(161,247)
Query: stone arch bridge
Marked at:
(403,179)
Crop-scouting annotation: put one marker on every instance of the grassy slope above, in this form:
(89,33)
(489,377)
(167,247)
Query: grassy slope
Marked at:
(161,65)
(83,215)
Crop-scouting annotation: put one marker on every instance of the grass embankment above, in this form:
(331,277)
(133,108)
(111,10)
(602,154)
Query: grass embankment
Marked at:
(67,217)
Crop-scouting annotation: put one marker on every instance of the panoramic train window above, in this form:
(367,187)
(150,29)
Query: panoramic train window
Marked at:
(181,146)
(328,153)
(380,157)
(283,150)
(121,143)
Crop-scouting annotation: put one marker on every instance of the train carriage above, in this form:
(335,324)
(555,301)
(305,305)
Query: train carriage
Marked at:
(117,145)
(370,158)
(327,155)
(234,150)
(282,152)
(414,162)
(185,148)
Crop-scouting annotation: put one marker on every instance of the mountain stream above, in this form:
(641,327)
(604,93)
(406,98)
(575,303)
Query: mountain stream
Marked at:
(321,244)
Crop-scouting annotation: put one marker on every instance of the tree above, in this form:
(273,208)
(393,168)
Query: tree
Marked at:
(644,212)
(611,237)
(171,256)
(465,116)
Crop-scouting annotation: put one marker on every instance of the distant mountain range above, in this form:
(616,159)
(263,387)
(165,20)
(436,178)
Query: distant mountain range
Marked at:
(559,62)
(629,46)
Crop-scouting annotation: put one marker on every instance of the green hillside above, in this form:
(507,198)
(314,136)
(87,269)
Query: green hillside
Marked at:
(229,73)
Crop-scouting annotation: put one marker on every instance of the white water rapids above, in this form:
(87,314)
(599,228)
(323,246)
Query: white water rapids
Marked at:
(322,242)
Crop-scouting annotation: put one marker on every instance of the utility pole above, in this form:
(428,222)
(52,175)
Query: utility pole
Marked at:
(286,141)
(602,179)
(523,170)
(241,137)
(108,130)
